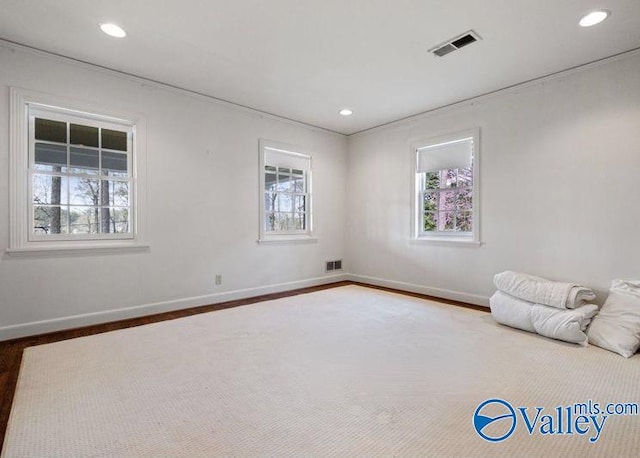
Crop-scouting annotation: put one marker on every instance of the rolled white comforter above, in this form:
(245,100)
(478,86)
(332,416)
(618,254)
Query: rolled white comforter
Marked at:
(567,325)
(542,291)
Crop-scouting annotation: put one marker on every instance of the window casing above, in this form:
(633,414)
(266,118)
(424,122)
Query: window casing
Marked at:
(74,177)
(285,183)
(446,188)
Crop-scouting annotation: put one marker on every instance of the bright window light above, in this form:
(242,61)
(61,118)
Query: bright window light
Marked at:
(346,112)
(593,18)
(113,30)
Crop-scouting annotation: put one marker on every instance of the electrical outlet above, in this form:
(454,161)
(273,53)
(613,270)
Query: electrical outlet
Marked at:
(218,279)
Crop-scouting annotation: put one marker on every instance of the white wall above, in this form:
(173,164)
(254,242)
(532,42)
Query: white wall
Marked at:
(560,197)
(560,187)
(202,158)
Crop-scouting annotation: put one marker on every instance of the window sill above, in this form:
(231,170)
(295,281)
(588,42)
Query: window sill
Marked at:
(77,250)
(447,241)
(287,239)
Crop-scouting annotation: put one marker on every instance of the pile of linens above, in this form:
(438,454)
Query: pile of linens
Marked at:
(552,309)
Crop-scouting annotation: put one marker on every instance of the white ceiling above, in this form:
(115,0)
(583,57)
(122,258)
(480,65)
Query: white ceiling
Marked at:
(305,60)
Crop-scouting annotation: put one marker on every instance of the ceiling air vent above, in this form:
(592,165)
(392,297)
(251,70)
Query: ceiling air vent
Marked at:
(455,43)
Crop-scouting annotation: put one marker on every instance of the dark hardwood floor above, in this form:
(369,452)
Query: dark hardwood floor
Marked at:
(11,350)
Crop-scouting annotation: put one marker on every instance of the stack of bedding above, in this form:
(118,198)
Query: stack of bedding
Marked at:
(553,309)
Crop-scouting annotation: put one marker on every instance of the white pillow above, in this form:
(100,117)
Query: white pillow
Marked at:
(617,326)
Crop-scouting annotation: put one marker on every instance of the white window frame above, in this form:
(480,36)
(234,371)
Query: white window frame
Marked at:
(24,105)
(285,236)
(445,237)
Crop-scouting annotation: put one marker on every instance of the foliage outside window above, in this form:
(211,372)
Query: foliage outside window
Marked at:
(447,199)
(285,200)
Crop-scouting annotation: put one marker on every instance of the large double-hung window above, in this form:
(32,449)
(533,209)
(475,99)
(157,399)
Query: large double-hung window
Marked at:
(285,210)
(80,176)
(446,188)
(75,177)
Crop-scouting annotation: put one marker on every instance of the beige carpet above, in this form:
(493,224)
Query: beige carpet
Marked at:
(348,371)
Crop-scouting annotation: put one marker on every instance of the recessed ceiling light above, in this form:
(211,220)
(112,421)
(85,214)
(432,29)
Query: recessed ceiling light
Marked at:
(346,112)
(113,30)
(594,17)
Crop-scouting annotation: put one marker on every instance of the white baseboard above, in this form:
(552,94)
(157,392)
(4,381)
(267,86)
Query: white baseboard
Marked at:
(420,289)
(76,321)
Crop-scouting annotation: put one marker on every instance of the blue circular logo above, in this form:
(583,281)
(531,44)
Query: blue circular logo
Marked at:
(495,412)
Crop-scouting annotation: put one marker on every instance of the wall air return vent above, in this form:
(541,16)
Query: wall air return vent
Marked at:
(455,43)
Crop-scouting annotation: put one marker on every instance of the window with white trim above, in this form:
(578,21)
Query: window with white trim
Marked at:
(446,188)
(80,176)
(285,204)
(78,188)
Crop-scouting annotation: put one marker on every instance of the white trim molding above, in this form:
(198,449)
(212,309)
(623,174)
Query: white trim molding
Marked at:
(459,296)
(20,241)
(87,319)
(247,110)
